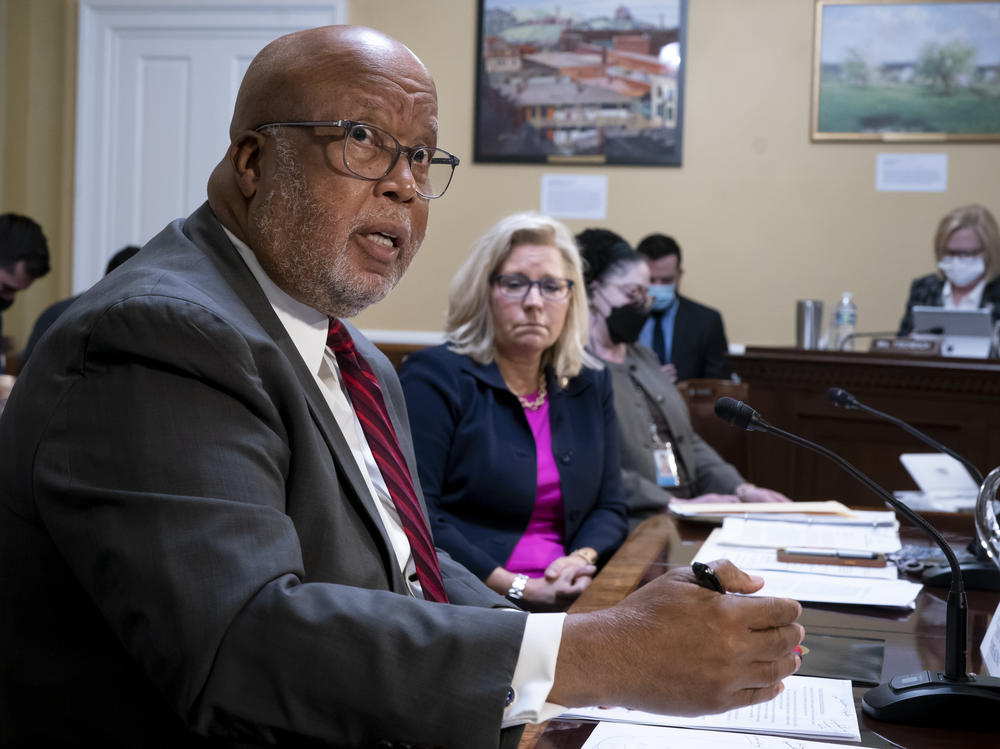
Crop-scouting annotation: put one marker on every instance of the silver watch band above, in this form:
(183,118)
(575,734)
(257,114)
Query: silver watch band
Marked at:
(516,591)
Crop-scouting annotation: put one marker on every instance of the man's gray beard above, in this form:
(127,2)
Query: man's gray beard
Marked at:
(294,226)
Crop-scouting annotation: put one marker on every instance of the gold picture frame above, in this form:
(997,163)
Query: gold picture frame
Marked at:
(906,71)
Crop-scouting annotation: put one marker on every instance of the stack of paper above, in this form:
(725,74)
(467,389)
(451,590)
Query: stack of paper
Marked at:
(752,543)
(809,706)
(621,736)
(719,510)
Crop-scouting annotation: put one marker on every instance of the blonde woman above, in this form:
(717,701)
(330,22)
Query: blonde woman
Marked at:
(513,422)
(967,252)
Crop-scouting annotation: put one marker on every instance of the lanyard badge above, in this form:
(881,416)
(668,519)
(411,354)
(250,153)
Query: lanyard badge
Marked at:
(664,460)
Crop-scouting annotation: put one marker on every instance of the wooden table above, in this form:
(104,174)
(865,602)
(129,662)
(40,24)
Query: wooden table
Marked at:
(955,401)
(913,640)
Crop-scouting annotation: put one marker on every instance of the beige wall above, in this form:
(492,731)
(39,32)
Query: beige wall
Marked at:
(764,216)
(39,48)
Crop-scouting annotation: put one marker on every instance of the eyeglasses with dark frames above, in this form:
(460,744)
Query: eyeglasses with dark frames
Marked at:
(371,153)
(518,286)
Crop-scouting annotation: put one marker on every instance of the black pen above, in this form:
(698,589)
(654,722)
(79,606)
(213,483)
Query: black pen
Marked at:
(706,577)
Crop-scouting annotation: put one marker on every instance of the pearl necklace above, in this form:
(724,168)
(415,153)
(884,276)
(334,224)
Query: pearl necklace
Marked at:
(535,404)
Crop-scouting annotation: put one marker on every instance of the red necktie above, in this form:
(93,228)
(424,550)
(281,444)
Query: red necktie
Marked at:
(366,397)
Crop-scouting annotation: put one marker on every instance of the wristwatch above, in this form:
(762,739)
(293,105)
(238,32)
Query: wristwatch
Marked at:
(516,592)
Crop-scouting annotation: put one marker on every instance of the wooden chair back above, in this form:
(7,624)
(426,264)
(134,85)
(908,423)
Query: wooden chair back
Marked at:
(729,442)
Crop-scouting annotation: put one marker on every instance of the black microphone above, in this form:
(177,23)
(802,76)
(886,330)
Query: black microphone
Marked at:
(948,698)
(981,574)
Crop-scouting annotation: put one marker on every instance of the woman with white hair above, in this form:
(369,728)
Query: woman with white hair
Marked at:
(967,252)
(513,422)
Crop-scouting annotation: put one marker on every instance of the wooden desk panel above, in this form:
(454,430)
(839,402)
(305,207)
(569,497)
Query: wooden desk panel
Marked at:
(955,401)
(913,640)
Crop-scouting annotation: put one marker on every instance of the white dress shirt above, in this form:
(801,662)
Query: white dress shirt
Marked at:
(972,300)
(535,670)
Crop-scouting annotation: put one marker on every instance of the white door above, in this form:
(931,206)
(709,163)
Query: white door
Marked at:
(157,84)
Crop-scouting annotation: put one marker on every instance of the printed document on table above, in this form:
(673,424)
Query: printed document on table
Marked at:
(759,559)
(809,706)
(830,589)
(773,534)
(631,736)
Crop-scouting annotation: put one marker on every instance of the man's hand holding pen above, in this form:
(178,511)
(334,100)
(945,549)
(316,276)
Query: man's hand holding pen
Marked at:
(724,652)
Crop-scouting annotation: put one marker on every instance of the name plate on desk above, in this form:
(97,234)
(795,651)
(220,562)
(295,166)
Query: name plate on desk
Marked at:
(917,347)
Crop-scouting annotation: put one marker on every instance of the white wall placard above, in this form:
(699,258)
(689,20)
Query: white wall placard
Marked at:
(911,172)
(575,195)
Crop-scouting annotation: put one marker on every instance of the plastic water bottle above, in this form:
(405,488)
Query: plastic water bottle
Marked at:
(845,320)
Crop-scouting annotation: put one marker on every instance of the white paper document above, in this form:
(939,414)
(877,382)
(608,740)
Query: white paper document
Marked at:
(760,560)
(630,736)
(809,706)
(823,509)
(849,590)
(773,534)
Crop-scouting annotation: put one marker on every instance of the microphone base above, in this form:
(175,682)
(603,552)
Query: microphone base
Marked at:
(928,698)
(977,575)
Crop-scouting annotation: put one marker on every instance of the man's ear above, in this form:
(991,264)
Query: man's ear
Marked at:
(245,156)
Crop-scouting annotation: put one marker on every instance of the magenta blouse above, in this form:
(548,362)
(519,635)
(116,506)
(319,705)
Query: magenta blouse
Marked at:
(542,542)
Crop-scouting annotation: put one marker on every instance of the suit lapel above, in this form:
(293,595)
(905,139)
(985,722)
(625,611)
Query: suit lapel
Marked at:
(205,231)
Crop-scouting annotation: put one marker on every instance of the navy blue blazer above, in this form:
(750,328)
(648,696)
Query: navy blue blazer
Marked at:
(478,466)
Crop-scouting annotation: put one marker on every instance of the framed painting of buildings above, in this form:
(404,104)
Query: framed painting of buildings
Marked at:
(906,70)
(589,81)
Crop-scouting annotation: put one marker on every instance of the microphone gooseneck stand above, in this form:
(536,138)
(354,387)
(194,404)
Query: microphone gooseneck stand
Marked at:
(949,698)
(840,397)
(981,574)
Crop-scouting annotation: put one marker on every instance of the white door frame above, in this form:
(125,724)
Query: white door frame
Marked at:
(104,26)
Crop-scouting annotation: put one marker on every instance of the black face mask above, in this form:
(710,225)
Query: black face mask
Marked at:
(625,322)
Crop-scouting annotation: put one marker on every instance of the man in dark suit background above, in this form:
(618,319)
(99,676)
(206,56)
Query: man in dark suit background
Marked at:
(24,257)
(201,540)
(688,338)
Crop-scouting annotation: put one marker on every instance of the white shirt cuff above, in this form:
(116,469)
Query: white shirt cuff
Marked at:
(535,671)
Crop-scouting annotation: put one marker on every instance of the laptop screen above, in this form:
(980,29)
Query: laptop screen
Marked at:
(953,322)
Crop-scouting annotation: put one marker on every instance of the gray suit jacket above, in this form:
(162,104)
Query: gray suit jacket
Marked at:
(187,549)
(708,471)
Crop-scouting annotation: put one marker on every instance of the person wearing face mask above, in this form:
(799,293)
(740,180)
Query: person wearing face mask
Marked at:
(24,257)
(967,250)
(663,459)
(689,338)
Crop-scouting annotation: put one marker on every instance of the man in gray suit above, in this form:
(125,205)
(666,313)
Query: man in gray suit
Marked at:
(201,540)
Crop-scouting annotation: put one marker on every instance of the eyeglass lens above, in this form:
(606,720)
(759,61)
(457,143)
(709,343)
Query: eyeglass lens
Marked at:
(517,286)
(372,153)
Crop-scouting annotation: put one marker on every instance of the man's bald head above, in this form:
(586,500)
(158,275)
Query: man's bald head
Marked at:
(284,81)
(330,238)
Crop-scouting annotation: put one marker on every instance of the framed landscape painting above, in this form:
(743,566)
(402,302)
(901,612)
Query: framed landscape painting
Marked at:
(588,81)
(906,70)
